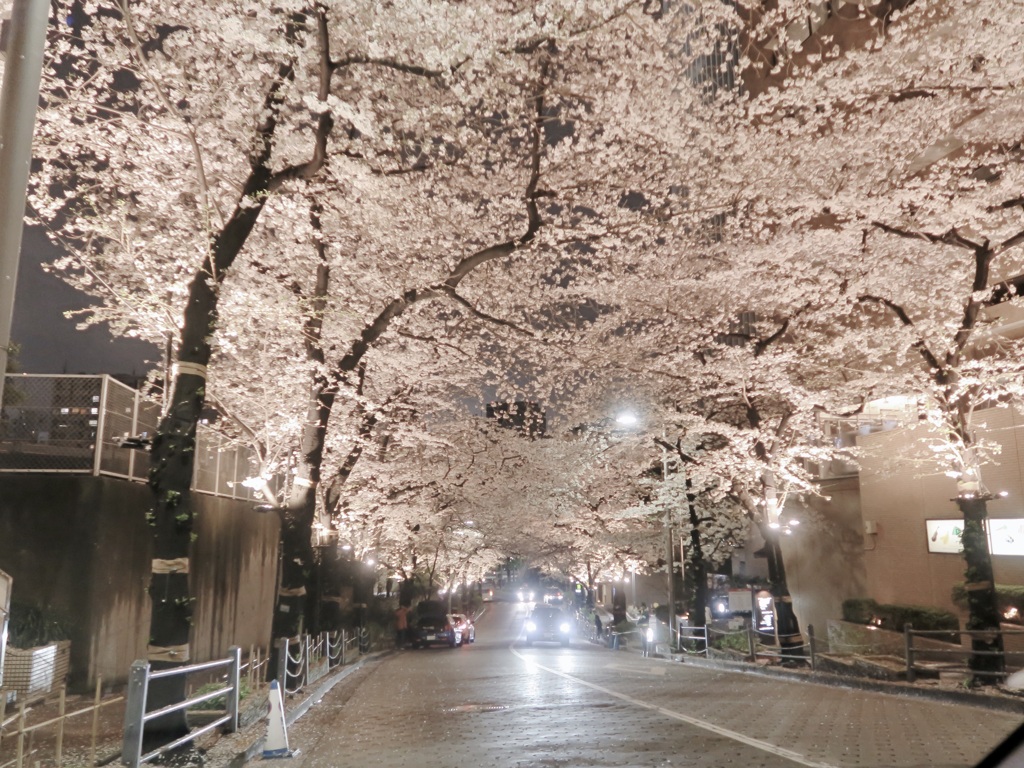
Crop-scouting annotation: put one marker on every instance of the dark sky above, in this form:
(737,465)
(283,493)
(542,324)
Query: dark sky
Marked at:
(49,341)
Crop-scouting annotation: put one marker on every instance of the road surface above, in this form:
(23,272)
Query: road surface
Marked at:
(498,703)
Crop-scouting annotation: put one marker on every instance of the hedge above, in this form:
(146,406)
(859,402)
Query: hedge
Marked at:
(1009,598)
(895,617)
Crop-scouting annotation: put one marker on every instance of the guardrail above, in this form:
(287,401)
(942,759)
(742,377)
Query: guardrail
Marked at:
(136,716)
(962,654)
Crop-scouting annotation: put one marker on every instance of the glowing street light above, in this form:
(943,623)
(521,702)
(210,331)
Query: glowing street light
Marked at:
(627,419)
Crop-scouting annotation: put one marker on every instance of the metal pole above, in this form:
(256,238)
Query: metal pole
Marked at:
(19,96)
(234,680)
(282,662)
(135,710)
(670,560)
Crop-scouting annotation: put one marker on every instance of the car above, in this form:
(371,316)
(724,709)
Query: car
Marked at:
(553,596)
(465,631)
(548,623)
(432,624)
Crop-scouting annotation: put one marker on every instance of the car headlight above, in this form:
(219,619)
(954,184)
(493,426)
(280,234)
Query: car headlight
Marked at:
(564,626)
(531,626)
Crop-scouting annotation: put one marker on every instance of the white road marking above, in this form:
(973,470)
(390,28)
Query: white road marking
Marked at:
(716,729)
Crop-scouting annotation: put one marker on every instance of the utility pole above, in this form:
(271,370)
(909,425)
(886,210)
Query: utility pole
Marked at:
(23,39)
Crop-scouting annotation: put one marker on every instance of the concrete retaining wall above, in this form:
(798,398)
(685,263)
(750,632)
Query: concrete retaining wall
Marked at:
(80,545)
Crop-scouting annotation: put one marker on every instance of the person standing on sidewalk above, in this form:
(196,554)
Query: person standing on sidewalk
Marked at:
(401,625)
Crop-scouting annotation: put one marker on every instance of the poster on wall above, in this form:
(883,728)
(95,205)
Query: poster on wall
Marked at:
(944,536)
(1006,537)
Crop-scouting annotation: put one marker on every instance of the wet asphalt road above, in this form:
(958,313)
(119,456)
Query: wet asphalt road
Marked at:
(498,703)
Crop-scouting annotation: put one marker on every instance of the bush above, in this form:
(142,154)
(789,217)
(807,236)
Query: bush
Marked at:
(33,625)
(733,641)
(1009,599)
(895,617)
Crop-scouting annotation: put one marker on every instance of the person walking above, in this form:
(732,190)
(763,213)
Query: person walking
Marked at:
(401,625)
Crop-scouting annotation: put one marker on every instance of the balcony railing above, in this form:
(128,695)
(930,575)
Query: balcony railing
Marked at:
(68,424)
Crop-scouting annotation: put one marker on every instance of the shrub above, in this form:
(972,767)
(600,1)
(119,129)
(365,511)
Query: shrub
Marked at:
(1009,598)
(896,617)
(32,625)
(733,641)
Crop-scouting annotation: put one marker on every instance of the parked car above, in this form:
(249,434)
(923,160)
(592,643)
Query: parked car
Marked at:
(432,624)
(465,631)
(548,623)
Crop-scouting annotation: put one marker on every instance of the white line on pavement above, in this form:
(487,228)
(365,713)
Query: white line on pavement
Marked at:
(717,729)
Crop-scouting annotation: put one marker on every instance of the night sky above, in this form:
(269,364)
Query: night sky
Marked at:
(49,341)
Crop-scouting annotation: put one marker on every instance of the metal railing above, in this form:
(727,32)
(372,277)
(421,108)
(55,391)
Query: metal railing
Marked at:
(73,424)
(959,656)
(136,716)
(305,659)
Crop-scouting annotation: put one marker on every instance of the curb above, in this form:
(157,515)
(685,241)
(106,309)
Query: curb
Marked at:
(986,701)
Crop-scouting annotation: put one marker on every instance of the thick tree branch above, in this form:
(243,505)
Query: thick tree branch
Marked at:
(949,237)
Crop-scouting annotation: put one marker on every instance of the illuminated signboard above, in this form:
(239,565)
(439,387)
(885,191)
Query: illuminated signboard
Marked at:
(765,612)
(1006,537)
(944,536)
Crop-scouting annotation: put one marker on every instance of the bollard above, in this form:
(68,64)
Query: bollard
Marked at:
(751,642)
(810,643)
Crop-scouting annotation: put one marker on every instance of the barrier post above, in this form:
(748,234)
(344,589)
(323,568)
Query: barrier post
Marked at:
(59,747)
(234,680)
(908,643)
(95,719)
(282,661)
(135,710)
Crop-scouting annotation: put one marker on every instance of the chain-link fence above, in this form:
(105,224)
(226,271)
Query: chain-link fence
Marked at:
(72,424)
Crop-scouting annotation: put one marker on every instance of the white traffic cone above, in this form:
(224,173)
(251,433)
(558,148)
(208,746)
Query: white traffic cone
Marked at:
(276,744)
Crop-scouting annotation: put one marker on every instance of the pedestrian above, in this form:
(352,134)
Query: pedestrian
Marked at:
(401,625)
(598,626)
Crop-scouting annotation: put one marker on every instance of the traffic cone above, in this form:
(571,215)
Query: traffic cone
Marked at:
(276,744)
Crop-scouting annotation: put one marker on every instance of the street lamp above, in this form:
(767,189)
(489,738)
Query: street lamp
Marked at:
(629,419)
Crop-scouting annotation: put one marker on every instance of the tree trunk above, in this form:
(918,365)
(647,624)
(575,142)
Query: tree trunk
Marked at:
(696,564)
(787,626)
(982,605)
